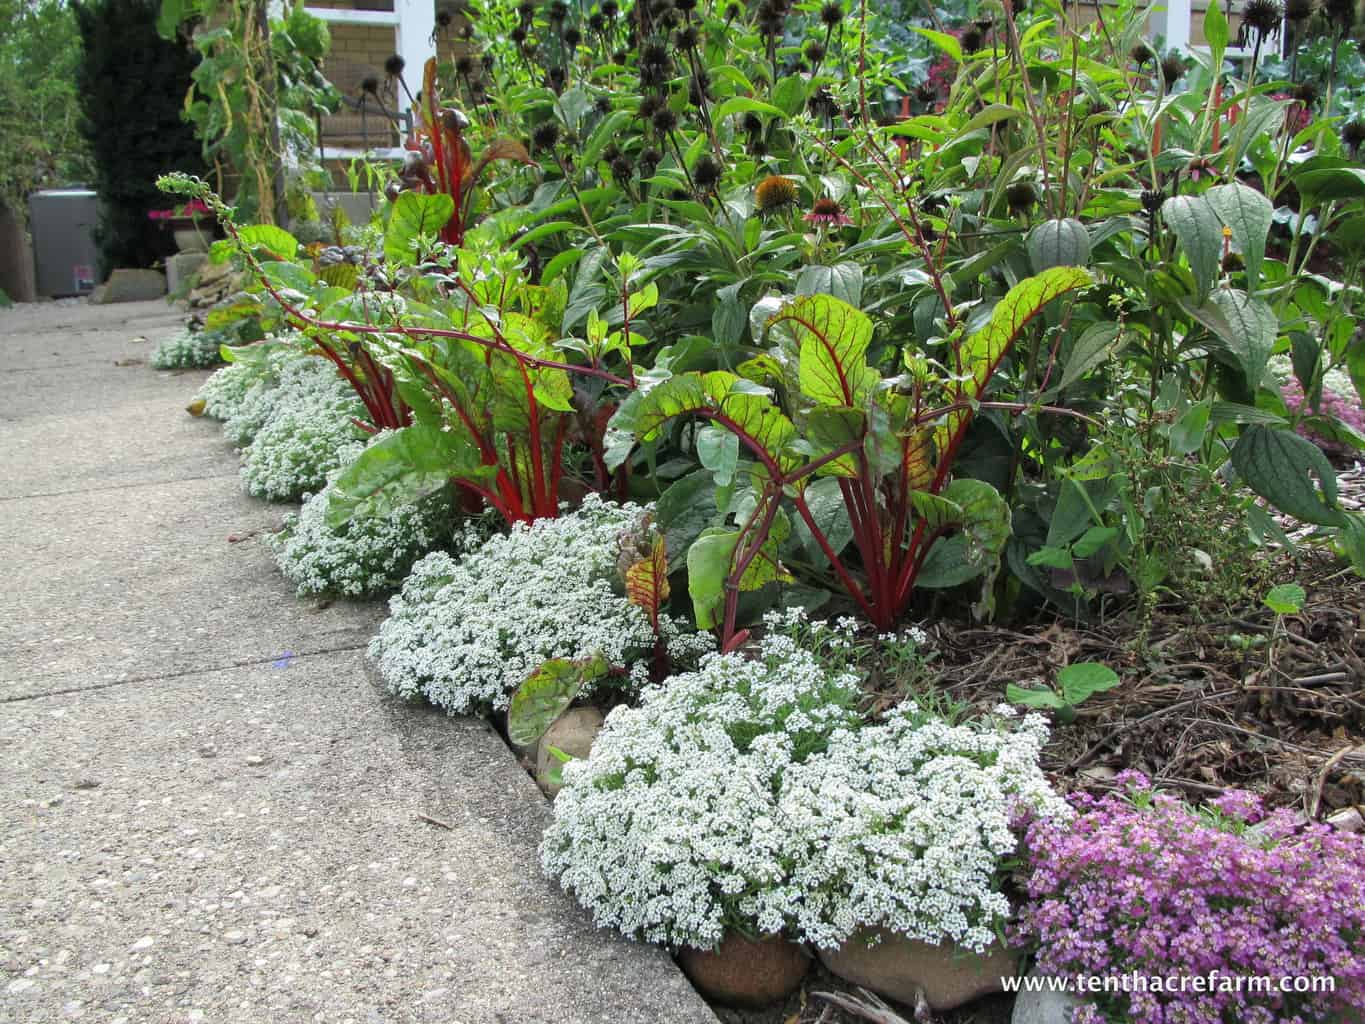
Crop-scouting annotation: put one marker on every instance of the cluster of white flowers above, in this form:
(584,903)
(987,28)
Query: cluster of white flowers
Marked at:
(671,831)
(225,393)
(905,825)
(364,555)
(465,633)
(308,430)
(188,350)
(751,792)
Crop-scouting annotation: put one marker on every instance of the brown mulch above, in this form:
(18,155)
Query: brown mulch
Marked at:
(1233,702)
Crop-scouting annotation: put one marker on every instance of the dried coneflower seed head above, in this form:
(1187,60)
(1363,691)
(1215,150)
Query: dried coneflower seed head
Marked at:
(443,19)
(685,5)
(1353,134)
(610,8)
(832,13)
(1172,68)
(1021,196)
(526,10)
(1341,14)
(1142,54)
(558,11)
(686,37)
(545,135)
(517,35)
(650,158)
(370,84)
(1306,93)
(597,23)
(558,76)
(815,51)
(1262,16)
(654,55)
(602,105)
(706,173)
(751,123)
(572,37)
(621,169)
(1151,200)
(393,67)
(664,121)
(464,66)
(1299,10)
(972,40)
(733,11)
(774,193)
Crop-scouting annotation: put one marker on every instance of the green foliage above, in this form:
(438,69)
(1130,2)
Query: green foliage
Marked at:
(40,109)
(130,81)
(1075,685)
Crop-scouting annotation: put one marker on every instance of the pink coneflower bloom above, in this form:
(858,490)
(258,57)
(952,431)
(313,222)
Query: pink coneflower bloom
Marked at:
(827,213)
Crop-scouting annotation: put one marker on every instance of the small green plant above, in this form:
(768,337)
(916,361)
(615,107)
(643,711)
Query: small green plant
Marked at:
(1075,685)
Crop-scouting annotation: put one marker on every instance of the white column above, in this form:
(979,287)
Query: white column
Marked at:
(1172,22)
(415,38)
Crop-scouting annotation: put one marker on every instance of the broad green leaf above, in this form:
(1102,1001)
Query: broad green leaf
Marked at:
(1097,343)
(1187,433)
(415,215)
(274,240)
(1251,330)
(825,500)
(1093,540)
(1042,700)
(832,339)
(684,511)
(1085,679)
(1200,231)
(1286,599)
(1058,243)
(975,549)
(718,451)
(843,280)
(1248,213)
(1217,33)
(546,694)
(289,276)
(401,468)
(725,398)
(1280,466)
(708,564)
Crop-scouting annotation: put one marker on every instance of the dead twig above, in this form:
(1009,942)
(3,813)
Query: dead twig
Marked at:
(436,821)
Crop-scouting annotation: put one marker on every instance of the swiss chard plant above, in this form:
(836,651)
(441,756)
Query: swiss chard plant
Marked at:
(863,460)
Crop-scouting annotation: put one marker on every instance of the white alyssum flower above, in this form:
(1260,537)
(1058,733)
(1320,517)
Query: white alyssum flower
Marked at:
(670,831)
(227,389)
(309,430)
(465,633)
(188,350)
(364,555)
(905,826)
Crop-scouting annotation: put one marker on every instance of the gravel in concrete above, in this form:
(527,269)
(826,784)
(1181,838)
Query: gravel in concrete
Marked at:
(207,813)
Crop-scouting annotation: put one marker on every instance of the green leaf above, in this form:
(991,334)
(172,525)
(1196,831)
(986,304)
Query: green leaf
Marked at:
(975,549)
(825,499)
(708,564)
(684,511)
(948,44)
(718,451)
(1216,33)
(1097,343)
(745,105)
(1085,679)
(1250,333)
(1187,433)
(546,694)
(832,339)
(1058,243)
(401,468)
(415,215)
(843,280)
(1200,231)
(1043,700)
(1093,540)
(718,394)
(1286,599)
(274,240)
(1248,213)
(1279,465)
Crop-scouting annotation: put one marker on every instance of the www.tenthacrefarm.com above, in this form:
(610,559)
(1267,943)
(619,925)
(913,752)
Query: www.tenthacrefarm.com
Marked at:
(1130,984)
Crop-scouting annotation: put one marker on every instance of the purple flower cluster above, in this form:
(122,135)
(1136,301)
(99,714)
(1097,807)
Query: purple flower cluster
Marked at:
(1346,408)
(1145,886)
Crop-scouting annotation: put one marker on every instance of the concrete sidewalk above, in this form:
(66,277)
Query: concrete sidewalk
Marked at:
(206,811)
